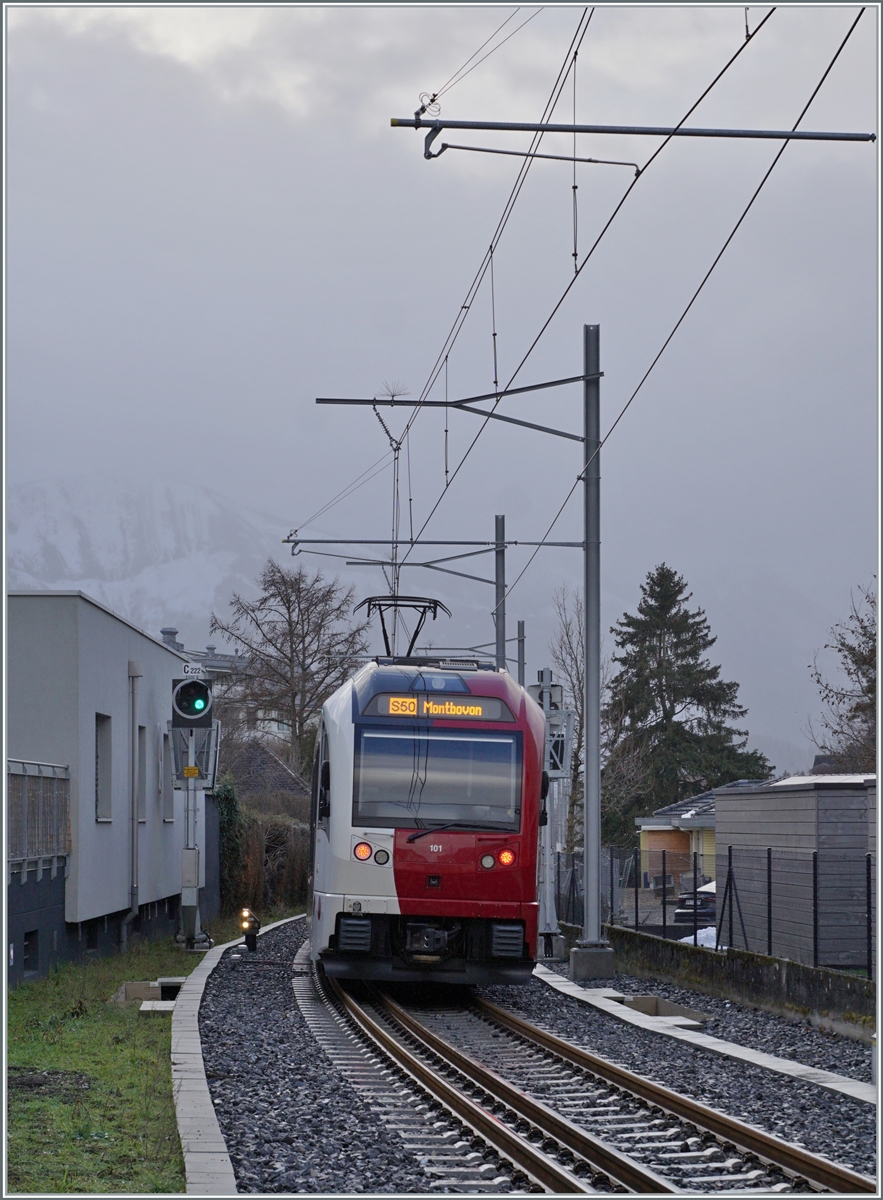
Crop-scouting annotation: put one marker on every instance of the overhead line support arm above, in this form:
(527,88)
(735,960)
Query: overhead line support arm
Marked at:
(435,127)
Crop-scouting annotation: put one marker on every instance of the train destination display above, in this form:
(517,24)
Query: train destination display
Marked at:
(456,708)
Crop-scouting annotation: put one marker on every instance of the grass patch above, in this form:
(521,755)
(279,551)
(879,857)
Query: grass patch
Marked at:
(89,1083)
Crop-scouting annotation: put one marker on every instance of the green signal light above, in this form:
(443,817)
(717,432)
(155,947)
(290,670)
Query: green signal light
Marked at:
(199,705)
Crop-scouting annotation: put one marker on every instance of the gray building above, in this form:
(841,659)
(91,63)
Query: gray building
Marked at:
(70,695)
(803,851)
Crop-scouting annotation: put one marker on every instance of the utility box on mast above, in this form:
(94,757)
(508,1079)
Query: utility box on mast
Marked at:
(556,762)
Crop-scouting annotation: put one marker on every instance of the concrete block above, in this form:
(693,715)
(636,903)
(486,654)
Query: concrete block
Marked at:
(157,1006)
(592,962)
(142,990)
(551,947)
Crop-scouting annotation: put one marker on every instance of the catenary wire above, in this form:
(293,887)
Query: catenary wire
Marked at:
(350,488)
(450,82)
(588,256)
(477,280)
(447,87)
(459,320)
(580,477)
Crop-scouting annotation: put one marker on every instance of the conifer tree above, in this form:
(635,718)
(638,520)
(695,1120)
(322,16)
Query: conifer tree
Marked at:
(669,703)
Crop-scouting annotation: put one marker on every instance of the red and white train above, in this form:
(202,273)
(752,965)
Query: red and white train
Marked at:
(427,791)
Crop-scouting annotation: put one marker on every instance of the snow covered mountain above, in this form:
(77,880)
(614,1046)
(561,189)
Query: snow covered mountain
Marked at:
(161,553)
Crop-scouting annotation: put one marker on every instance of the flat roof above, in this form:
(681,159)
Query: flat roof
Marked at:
(97,603)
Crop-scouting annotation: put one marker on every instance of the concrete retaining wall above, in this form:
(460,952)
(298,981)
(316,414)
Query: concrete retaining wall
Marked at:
(826,998)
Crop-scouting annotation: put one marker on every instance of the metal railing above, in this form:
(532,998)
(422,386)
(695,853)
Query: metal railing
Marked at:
(38,810)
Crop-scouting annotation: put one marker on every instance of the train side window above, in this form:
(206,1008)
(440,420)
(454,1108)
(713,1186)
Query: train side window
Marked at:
(324,781)
(314,787)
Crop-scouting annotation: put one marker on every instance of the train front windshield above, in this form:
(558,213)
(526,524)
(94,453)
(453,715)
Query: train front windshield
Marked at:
(418,777)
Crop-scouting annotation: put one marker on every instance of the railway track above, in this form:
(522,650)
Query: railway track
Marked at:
(559,1119)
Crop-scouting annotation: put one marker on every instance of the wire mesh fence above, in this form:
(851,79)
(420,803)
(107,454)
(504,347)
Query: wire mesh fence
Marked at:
(38,811)
(817,908)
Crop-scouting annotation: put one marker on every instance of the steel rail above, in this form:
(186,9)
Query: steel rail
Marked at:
(620,1167)
(540,1167)
(812,1167)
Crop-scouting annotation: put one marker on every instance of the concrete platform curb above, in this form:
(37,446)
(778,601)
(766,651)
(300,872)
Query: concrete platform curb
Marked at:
(685,1030)
(207,1164)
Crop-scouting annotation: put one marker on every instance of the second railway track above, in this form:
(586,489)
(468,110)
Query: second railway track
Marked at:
(572,1122)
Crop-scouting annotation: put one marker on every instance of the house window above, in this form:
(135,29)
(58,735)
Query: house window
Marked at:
(142,773)
(103,808)
(168,781)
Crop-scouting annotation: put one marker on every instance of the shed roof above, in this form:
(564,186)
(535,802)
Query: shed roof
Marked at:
(693,809)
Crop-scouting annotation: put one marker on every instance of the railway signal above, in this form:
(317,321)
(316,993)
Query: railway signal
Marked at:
(191,704)
(251,925)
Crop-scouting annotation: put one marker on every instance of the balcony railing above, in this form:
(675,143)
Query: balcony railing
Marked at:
(38,810)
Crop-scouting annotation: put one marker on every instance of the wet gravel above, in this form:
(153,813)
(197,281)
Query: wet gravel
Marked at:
(797,1040)
(291,1124)
(826,1123)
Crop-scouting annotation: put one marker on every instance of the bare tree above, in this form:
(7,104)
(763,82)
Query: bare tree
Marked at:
(849,720)
(623,769)
(300,647)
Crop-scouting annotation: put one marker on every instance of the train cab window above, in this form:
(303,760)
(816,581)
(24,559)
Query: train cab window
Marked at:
(406,777)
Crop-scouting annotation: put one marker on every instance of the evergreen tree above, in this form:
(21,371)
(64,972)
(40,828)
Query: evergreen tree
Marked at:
(670,705)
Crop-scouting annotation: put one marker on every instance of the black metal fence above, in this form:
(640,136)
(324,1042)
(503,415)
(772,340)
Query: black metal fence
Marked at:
(816,908)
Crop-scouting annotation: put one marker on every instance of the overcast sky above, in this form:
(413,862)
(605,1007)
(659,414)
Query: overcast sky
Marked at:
(210,222)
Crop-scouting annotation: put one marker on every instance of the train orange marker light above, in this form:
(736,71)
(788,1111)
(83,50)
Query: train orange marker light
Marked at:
(362,851)
(506,858)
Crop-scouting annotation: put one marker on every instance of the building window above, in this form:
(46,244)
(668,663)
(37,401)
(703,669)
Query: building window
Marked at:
(103,808)
(142,773)
(168,781)
(31,956)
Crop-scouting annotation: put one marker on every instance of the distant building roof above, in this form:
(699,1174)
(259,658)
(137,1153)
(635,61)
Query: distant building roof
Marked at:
(696,810)
(213,661)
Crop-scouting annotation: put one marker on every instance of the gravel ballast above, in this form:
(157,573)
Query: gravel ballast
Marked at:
(291,1123)
(826,1123)
(797,1040)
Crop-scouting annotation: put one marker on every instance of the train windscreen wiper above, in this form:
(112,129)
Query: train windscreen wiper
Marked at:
(412,837)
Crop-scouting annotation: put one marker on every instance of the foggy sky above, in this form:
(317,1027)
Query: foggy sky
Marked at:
(210,222)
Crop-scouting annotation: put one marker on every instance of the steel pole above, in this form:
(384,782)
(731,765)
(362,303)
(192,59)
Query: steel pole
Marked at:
(592,591)
(521,668)
(500,590)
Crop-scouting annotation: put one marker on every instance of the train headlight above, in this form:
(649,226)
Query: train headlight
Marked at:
(506,858)
(362,851)
(381,856)
(487,860)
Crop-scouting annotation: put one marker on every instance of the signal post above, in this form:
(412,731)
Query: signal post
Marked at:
(195,739)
